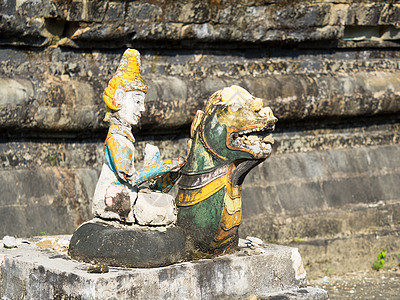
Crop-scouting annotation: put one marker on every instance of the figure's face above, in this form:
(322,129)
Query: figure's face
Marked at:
(131,105)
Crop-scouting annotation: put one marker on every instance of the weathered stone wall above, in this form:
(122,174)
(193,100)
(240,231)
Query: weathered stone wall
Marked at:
(329,70)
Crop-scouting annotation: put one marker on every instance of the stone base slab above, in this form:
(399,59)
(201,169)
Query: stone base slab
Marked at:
(30,272)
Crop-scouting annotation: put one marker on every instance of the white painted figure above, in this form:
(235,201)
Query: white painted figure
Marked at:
(116,196)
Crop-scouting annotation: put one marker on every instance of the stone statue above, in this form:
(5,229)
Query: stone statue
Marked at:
(116,193)
(228,139)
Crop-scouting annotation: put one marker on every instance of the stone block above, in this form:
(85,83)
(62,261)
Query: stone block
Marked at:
(30,273)
(8,7)
(390,14)
(96,10)
(44,199)
(258,199)
(36,219)
(295,15)
(293,166)
(15,91)
(353,161)
(155,209)
(389,186)
(75,11)
(384,157)
(366,14)
(192,12)
(29,8)
(145,12)
(115,11)
(301,196)
(351,190)
(11,215)
(8,189)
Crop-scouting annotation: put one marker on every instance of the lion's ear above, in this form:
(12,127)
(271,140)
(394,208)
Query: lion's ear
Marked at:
(196,122)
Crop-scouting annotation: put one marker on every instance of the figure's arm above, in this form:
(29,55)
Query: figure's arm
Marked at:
(120,159)
(162,168)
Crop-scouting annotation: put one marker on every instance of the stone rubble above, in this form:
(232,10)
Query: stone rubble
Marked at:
(155,209)
(9,242)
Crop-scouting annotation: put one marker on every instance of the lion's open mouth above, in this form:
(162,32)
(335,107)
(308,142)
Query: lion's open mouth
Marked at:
(257,140)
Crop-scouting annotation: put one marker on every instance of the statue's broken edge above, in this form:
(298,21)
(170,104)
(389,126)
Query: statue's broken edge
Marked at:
(228,139)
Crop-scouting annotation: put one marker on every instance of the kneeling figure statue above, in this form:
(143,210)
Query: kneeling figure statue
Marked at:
(116,196)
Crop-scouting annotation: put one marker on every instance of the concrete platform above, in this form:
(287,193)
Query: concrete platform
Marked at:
(33,271)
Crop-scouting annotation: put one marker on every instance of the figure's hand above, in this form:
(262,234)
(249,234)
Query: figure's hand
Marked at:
(165,182)
(175,164)
(166,166)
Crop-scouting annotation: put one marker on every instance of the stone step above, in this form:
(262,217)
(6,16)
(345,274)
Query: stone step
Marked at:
(298,294)
(34,271)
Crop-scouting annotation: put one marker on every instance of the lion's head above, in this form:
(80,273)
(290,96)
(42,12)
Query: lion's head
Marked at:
(236,125)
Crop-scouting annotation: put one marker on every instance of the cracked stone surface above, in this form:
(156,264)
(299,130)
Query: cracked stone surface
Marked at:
(24,272)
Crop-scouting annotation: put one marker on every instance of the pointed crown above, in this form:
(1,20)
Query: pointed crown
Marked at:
(126,78)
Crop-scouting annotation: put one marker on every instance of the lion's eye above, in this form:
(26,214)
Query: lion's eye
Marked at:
(234,107)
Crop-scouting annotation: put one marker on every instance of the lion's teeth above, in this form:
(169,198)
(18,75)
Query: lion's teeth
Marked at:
(255,148)
(253,138)
(269,139)
(247,142)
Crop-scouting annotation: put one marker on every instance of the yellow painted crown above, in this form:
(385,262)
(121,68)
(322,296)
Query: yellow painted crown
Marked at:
(126,78)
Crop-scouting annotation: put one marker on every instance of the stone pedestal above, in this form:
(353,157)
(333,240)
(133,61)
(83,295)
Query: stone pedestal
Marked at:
(32,272)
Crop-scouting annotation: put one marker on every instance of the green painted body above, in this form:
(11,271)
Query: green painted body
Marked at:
(201,221)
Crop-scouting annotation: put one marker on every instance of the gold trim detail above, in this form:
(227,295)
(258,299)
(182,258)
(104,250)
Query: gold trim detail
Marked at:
(216,244)
(229,221)
(232,205)
(233,191)
(192,197)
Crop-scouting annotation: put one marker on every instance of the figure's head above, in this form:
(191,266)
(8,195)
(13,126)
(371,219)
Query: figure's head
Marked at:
(124,95)
(131,105)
